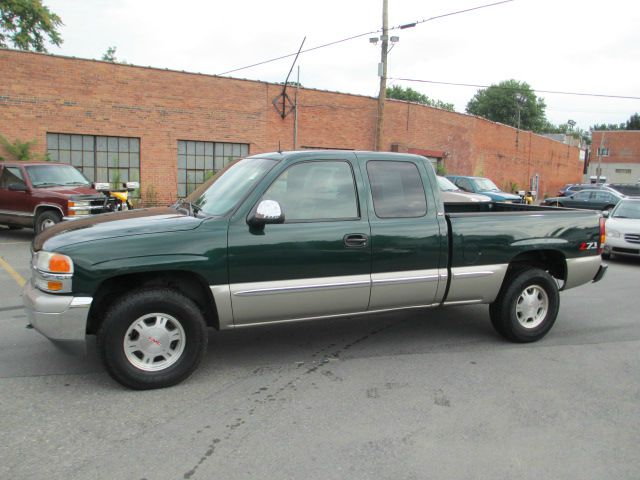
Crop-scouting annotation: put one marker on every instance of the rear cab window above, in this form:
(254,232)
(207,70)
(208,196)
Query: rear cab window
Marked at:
(396,189)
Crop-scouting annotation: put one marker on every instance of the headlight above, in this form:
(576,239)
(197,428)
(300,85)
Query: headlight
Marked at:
(613,234)
(52,272)
(79,207)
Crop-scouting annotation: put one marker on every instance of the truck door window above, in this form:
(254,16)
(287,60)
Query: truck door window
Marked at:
(316,191)
(11,175)
(397,190)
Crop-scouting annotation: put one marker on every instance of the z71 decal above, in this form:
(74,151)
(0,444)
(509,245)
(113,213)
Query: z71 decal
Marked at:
(589,246)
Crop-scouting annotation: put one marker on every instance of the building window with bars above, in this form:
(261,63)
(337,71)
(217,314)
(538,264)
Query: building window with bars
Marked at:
(198,161)
(101,159)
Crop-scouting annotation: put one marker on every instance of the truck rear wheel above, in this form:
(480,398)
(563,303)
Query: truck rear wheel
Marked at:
(152,339)
(527,305)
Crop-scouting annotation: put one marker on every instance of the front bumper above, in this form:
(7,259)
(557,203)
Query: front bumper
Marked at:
(619,246)
(60,318)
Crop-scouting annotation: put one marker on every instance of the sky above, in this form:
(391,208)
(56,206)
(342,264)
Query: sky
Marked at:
(581,46)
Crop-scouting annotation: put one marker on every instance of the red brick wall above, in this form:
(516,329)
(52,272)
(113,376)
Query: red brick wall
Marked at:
(623,145)
(43,93)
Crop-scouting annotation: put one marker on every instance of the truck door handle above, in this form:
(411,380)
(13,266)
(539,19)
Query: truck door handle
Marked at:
(356,240)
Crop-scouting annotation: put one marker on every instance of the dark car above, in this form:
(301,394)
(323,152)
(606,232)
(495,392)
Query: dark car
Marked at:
(628,189)
(571,188)
(592,199)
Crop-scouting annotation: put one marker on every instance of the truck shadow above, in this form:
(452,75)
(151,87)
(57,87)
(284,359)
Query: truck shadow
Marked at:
(22,235)
(393,334)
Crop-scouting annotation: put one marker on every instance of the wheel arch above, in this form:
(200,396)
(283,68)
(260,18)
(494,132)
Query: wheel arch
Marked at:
(190,284)
(47,206)
(552,261)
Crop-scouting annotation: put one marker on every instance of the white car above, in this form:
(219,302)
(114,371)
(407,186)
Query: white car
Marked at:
(623,229)
(452,194)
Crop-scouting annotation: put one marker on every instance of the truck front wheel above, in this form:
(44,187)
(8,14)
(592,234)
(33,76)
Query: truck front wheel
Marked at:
(46,219)
(152,339)
(527,305)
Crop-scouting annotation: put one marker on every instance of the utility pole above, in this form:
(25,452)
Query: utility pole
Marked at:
(382,71)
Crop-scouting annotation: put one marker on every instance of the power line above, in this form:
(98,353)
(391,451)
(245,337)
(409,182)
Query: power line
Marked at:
(336,42)
(424,20)
(556,92)
(301,51)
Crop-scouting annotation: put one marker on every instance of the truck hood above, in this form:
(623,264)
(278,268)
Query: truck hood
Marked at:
(70,190)
(111,225)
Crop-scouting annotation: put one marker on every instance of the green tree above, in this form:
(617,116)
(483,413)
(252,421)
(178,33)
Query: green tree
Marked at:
(21,151)
(410,95)
(634,122)
(608,126)
(110,55)
(26,23)
(510,102)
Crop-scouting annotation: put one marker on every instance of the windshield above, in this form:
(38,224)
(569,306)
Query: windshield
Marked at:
(55,175)
(627,209)
(223,192)
(446,185)
(486,185)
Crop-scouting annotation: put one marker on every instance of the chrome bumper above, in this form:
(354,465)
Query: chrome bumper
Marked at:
(60,318)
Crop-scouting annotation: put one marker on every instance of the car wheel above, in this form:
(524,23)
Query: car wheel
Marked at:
(527,305)
(46,219)
(152,339)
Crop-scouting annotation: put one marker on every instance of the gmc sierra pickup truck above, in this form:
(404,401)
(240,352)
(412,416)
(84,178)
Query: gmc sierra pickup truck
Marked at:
(295,236)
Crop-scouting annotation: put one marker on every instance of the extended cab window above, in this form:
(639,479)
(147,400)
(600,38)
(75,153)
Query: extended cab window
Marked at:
(396,188)
(11,175)
(316,191)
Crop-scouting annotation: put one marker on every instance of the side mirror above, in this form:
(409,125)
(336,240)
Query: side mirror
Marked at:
(606,213)
(17,187)
(266,212)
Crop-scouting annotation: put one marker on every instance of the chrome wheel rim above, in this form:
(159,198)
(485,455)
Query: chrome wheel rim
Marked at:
(47,224)
(154,342)
(532,306)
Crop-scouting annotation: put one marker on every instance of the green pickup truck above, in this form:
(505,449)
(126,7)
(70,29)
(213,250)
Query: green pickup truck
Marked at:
(285,237)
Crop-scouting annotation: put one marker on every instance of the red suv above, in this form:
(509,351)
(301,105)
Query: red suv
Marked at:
(40,194)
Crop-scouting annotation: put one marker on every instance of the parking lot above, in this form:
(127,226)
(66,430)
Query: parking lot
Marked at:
(424,394)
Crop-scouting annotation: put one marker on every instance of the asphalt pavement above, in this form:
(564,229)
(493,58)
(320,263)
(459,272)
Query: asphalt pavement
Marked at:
(414,395)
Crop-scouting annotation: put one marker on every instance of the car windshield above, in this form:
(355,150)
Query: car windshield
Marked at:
(55,176)
(627,209)
(225,190)
(486,185)
(446,185)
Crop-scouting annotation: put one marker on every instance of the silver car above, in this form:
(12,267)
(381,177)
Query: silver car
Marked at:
(623,229)
(452,194)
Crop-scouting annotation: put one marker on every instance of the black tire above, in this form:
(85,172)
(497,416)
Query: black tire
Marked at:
(557,204)
(15,227)
(527,305)
(175,347)
(46,219)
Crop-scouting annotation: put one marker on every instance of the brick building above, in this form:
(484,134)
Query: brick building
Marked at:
(171,129)
(617,154)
